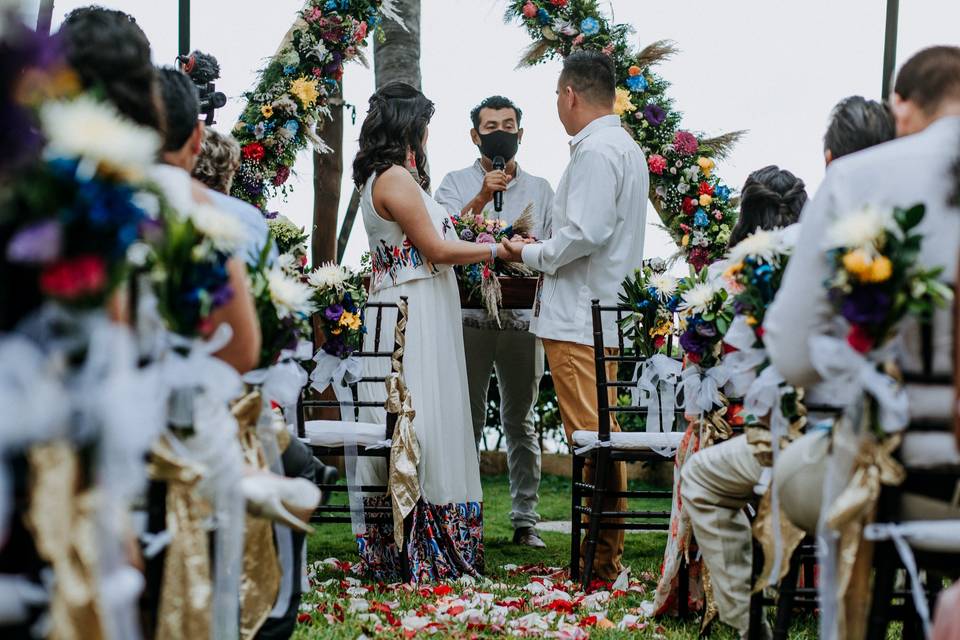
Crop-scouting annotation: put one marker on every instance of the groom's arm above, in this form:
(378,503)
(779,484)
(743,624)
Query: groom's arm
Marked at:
(591,216)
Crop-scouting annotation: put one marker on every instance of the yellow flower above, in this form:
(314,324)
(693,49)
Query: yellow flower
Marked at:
(663,329)
(623,103)
(305,90)
(350,320)
(635,70)
(706,200)
(733,270)
(880,270)
(751,321)
(685,240)
(336,330)
(858,263)
(706,165)
(267,111)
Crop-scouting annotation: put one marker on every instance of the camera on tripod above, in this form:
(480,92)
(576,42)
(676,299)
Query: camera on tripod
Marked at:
(203,69)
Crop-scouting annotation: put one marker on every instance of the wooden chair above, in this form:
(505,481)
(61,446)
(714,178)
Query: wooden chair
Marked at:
(329,437)
(623,446)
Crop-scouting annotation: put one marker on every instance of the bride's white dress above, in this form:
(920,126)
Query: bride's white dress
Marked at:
(447,536)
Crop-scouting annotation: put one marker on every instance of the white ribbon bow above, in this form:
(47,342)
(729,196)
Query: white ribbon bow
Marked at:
(835,360)
(701,389)
(655,388)
(743,363)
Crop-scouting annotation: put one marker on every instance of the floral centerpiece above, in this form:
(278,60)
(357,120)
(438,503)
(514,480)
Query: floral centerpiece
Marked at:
(481,280)
(652,295)
(295,90)
(694,204)
(339,296)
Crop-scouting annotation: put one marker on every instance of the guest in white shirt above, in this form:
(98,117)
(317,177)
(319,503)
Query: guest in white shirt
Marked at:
(718,482)
(916,168)
(505,346)
(598,222)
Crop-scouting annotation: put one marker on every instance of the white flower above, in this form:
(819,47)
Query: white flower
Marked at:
(859,230)
(329,276)
(290,296)
(95,131)
(698,299)
(762,245)
(682,187)
(664,284)
(225,232)
(692,174)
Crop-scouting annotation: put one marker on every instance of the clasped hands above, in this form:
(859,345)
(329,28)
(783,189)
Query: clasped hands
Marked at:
(513,248)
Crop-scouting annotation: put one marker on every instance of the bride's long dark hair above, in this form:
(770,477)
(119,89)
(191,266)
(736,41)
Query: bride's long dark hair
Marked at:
(397,121)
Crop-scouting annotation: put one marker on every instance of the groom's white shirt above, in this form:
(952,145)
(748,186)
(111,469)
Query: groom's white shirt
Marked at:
(910,170)
(599,217)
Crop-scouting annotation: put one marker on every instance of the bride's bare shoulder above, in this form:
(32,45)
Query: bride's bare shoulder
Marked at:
(394,181)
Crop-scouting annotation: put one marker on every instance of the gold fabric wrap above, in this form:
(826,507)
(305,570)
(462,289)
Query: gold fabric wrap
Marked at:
(261,577)
(187,590)
(404,480)
(852,510)
(62,518)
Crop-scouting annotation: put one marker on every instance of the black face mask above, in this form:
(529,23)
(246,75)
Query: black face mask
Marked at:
(499,143)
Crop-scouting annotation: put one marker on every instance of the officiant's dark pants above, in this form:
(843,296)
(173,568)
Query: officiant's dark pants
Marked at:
(573,369)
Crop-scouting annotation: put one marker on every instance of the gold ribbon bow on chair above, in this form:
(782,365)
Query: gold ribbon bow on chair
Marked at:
(260,581)
(853,509)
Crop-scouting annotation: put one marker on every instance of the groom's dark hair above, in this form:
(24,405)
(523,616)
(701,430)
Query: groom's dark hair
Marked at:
(930,77)
(592,75)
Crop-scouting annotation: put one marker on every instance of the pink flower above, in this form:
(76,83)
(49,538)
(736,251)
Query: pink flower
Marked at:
(608,50)
(361,32)
(578,40)
(74,278)
(685,143)
(314,15)
(657,164)
(485,238)
(529,10)
(718,214)
(479,220)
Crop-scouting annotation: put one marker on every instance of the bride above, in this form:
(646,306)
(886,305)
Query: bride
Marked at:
(412,247)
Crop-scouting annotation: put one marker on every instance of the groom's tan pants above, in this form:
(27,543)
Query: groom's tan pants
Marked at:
(573,369)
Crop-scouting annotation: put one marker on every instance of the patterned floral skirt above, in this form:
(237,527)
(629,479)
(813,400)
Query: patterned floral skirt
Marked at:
(445,542)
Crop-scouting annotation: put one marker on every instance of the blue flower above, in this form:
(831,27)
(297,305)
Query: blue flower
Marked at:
(589,26)
(723,192)
(292,126)
(637,83)
(543,16)
(701,219)
(289,70)
(373,21)
(331,5)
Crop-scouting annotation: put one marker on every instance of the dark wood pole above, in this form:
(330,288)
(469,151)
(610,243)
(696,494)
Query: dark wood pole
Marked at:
(45,17)
(890,46)
(184,43)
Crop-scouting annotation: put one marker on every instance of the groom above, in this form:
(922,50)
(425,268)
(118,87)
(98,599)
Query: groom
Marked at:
(598,220)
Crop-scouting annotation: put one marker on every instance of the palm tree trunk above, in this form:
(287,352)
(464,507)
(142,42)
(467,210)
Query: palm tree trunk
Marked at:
(398,56)
(327,176)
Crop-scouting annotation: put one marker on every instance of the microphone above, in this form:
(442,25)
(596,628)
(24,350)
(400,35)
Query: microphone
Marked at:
(498,165)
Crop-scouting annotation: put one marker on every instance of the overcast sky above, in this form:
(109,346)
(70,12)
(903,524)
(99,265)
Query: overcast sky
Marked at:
(774,68)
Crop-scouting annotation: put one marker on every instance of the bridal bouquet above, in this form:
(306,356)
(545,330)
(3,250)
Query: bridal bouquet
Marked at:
(480,280)
(757,265)
(652,295)
(339,296)
(876,281)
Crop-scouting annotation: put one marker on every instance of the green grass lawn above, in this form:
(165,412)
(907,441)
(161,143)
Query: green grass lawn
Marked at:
(643,553)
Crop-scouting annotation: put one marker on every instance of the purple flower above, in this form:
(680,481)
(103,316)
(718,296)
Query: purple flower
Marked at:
(655,114)
(865,305)
(335,346)
(485,238)
(36,244)
(333,312)
(222,295)
(692,342)
(467,235)
(271,215)
(705,329)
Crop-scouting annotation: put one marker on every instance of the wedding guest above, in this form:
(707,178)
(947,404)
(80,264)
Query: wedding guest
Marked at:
(598,223)
(216,165)
(718,482)
(916,168)
(183,134)
(505,346)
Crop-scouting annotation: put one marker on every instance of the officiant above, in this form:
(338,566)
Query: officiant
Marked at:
(506,347)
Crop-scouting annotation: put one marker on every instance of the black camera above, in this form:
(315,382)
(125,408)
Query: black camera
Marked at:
(203,69)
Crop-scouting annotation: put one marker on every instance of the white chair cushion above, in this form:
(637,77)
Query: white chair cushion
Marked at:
(938,536)
(333,433)
(632,441)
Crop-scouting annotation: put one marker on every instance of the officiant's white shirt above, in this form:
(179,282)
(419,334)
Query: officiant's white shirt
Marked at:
(599,216)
